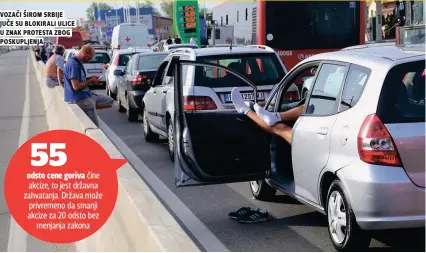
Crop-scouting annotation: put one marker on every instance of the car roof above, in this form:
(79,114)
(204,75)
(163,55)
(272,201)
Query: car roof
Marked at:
(154,53)
(134,50)
(224,50)
(182,45)
(373,55)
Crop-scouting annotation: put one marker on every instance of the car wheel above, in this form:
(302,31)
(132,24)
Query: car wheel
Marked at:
(147,133)
(110,93)
(132,114)
(261,190)
(345,234)
(170,140)
(120,106)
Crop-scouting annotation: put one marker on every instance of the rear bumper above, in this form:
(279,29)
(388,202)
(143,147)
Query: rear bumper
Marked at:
(383,197)
(135,99)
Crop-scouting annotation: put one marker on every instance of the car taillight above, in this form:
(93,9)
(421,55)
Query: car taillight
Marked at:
(291,96)
(198,103)
(375,144)
(138,80)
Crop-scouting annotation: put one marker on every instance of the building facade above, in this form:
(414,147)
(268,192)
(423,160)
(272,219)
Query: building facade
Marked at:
(114,17)
(163,27)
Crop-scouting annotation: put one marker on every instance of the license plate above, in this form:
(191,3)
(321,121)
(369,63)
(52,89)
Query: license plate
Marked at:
(93,71)
(246,97)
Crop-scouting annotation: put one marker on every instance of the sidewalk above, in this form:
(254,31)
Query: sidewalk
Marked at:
(22,116)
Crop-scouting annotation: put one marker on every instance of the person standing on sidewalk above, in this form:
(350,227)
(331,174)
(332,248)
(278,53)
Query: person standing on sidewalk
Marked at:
(76,89)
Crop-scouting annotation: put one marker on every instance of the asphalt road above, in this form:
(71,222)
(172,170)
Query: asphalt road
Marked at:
(22,116)
(294,227)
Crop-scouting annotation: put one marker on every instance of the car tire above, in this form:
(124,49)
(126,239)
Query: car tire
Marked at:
(344,232)
(120,106)
(170,140)
(132,114)
(147,133)
(110,93)
(261,190)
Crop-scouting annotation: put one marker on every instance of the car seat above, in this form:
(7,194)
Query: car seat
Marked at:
(418,89)
(230,79)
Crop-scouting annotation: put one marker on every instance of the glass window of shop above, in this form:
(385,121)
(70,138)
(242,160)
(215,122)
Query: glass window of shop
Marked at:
(418,10)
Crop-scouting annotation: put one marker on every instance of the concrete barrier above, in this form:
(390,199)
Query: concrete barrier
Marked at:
(139,221)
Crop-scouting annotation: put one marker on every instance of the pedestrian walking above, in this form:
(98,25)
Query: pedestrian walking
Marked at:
(76,88)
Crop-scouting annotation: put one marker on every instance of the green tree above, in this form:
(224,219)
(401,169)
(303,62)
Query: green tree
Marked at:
(90,10)
(149,4)
(202,12)
(167,8)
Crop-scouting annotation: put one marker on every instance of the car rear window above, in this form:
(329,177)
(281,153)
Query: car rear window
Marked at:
(100,58)
(150,61)
(402,99)
(261,69)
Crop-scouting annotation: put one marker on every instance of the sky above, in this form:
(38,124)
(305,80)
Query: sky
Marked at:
(73,10)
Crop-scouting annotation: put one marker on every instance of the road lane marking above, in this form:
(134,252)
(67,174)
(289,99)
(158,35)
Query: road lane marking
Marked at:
(17,236)
(199,231)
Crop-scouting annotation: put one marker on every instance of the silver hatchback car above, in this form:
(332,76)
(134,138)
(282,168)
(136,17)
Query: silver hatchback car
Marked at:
(357,152)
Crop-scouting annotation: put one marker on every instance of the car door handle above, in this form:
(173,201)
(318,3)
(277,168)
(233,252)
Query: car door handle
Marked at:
(154,92)
(164,91)
(322,131)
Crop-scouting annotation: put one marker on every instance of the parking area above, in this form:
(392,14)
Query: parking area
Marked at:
(294,227)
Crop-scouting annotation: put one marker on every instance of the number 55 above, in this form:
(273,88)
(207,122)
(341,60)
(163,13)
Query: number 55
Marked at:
(36,151)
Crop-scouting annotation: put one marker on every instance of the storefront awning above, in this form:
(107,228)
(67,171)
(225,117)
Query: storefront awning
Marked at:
(388,11)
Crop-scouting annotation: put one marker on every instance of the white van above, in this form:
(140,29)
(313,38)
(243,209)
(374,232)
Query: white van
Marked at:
(130,35)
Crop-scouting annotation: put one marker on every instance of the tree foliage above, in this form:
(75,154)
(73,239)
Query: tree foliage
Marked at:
(167,8)
(90,10)
(149,4)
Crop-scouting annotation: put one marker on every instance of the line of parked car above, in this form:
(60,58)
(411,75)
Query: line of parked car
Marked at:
(357,153)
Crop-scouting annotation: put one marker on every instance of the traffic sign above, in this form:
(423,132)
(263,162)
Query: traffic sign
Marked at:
(109,31)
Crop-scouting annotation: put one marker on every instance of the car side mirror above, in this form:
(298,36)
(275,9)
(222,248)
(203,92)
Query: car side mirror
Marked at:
(118,72)
(149,82)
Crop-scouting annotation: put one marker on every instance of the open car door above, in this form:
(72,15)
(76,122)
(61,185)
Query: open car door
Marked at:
(213,147)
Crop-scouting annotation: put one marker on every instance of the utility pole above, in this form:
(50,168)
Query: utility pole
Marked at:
(378,21)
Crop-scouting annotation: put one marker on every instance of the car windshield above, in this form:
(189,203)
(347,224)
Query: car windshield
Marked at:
(147,62)
(100,58)
(402,98)
(261,69)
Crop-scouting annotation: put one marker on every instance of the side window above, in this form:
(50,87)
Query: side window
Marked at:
(354,86)
(271,105)
(298,84)
(135,62)
(184,68)
(158,79)
(169,73)
(129,64)
(326,90)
